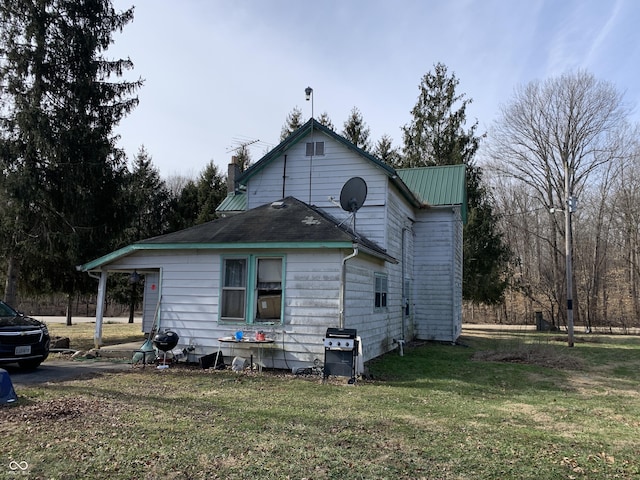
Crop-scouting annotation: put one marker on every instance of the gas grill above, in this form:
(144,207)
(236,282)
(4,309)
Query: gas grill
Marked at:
(340,351)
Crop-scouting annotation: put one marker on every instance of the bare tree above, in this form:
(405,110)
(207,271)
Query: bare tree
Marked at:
(555,137)
(626,219)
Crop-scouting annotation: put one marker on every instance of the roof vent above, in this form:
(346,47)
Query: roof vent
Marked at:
(279,204)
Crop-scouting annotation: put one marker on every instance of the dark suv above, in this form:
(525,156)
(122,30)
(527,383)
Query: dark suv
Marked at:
(23,340)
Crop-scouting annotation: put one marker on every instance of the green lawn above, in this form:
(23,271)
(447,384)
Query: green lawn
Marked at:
(438,412)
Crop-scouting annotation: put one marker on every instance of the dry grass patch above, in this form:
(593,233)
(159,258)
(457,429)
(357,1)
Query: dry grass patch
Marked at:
(533,354)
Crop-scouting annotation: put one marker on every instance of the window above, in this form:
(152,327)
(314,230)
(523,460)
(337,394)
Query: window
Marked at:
(269,289)
(234,289)
(317,149)
(380,300)
(239,302)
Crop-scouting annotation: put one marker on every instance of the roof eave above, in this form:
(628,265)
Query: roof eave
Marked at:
(97,264)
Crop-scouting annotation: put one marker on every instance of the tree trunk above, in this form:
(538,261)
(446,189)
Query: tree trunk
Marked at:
(11,285)
(69,307)
(132,302)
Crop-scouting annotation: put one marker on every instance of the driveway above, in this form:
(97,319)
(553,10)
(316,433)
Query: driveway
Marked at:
(59,370)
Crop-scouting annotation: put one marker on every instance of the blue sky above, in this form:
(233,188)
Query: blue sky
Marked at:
(222,72)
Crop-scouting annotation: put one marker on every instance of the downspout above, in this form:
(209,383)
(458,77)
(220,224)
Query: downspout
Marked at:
(284,176)
(343,284)
(405,300)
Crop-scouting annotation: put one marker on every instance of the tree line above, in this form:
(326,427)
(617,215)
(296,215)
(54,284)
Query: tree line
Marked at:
(563,147)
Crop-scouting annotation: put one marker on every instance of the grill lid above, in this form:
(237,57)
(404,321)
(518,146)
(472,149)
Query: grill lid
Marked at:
(166,341)
(341,333)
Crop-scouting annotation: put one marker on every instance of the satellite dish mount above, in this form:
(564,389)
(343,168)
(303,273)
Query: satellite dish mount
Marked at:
(352,196)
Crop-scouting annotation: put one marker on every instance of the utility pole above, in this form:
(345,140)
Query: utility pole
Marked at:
(569,207)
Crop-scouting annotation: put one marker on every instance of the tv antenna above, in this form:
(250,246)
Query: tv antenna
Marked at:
(352,197)
(243,145)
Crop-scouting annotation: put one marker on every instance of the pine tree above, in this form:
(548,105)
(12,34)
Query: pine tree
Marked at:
(437,136)
(149,198)
(292,123)
(386,152)
(326,121)
(356,130)
(61,107)
(212,189)
(243,157)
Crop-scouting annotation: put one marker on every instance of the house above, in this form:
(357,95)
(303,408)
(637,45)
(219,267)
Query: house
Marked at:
(287,259)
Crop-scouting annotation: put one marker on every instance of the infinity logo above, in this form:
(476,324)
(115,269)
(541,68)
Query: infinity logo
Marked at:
(13,465)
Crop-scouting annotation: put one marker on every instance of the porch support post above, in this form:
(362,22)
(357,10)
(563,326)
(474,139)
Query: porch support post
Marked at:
(102,291)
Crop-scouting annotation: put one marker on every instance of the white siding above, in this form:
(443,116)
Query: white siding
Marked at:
(426,243)
(381,328)
(150,300)
(438,273)
(190,291)
(329,174)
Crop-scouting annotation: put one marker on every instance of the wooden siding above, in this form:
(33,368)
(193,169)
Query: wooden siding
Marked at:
(438,273)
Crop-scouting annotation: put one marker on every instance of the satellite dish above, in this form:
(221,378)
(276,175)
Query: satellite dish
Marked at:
(353,194)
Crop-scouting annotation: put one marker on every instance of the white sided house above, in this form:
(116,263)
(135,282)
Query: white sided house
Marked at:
(286,259)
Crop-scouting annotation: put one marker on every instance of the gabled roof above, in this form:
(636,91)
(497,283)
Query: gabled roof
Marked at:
(301,133)
(438,186)
(286,224)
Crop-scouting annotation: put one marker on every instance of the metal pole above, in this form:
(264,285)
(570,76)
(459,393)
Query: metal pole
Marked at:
(568,247)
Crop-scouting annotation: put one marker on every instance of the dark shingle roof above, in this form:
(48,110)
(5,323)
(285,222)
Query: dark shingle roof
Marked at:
(285,225)
(285,221)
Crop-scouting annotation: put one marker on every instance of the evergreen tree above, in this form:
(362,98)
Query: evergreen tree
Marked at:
(386,152)
(212,190)
(437,136)
(326,121)
(293,122)
(356,130)
(243,157)
(485,251)
(184,207)
(148,198)
(65,173)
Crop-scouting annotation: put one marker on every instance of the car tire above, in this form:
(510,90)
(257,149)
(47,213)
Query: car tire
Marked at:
(29,364)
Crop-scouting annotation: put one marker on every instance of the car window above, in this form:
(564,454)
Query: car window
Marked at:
(6,310)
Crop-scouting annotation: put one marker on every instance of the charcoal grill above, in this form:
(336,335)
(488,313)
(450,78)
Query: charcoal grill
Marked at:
(340,352)
(164,342)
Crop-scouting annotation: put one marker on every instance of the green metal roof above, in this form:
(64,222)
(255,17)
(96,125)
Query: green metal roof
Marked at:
(235,202)
(438,186)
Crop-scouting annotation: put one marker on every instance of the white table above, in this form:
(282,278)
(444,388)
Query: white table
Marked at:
(245,341)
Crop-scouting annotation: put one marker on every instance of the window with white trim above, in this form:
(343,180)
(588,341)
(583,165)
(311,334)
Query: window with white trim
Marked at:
(380,290)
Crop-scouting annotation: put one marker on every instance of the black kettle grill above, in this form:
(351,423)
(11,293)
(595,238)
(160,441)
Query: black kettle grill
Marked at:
(165,341)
